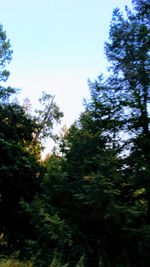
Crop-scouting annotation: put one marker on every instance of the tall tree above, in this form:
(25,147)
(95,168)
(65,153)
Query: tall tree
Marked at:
(128,54)
(46,117)
(18,168)
(125,96)
(20,147)
(128,51)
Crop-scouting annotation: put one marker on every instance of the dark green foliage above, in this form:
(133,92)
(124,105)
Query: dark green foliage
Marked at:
(18,174)
(53,234)
(18,182)
(15,125)
(87,150)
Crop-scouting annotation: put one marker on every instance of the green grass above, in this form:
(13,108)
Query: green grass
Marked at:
(14,263)
(55,263)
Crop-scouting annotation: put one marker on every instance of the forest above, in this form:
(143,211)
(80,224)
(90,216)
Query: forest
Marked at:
(87,204)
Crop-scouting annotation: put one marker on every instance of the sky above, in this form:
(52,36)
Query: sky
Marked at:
(57,46)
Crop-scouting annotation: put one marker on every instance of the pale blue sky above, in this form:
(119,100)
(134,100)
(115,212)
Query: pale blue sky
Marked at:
(58,45)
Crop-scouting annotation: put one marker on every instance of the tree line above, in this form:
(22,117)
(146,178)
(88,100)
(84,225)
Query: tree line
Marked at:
(88,203)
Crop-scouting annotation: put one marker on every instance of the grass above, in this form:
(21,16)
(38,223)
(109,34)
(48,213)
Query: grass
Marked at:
(55,263)
(14,263)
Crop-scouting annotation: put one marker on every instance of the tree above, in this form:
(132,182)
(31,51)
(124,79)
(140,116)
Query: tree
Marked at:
(125,97)
(128,53)
(19,171)
(18,168)
(5,54)
(46,117)
(21,136)
(111,143)
(5,58)
(19,181)
(85,148)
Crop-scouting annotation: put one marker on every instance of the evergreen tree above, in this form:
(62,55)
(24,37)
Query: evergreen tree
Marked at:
(18,167)
(125,96)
